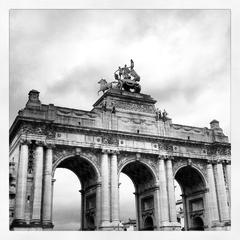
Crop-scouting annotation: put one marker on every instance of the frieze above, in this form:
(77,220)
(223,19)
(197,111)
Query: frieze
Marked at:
(38,129)
(164,146)
(112,140)
(134,107)
(219,150)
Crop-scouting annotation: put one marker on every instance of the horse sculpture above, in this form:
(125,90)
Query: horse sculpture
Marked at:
(104,85)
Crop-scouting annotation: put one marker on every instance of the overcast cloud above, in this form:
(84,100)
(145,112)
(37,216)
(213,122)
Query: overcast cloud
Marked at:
(182,56)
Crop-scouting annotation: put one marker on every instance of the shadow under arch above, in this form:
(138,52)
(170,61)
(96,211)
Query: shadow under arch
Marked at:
(194,188)
(89,177)
(144,180)
(57,163)
(133,160)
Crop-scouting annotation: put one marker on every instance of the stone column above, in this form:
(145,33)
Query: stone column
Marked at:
(163,196)
(171,192)
(21,183)
(82,209)
(212,197)
(47,188)
(98,205)
(114,190)
(137,209)
(38,178)
(228,176)
(221,192)
(53,181)
(105,201)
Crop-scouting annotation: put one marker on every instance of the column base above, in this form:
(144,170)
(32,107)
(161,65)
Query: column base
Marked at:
(106,226)
(22,225)
(109,228)
(18,223)
(170,226)
(47,225)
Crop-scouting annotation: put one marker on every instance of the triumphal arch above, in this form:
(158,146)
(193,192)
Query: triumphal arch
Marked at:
(124,132)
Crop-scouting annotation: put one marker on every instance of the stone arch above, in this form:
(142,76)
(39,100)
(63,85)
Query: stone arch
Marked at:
(89,177)
(194,200)
(195,167)
(61,159)
(144,178)
(131,160)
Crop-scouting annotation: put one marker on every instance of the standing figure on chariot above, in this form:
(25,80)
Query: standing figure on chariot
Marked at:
(128,78)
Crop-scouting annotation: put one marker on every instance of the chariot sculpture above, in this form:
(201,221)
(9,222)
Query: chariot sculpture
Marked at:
(127,79)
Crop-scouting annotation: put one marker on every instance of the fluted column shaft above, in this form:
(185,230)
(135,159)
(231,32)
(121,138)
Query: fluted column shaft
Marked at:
(228,175)
(171,193)
(105,189)
(221,192)
(38,174)
(21,182)
(163,198)
(47,184)
(212,197)
(114,189)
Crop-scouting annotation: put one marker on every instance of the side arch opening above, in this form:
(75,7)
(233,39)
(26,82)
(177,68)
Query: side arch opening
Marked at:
(193,201)
(88,177)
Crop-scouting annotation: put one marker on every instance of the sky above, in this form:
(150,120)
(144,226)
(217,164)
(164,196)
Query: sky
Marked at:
(182,57)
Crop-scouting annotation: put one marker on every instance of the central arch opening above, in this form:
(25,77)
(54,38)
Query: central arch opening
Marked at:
(87,189)
(193,189)
(143,181)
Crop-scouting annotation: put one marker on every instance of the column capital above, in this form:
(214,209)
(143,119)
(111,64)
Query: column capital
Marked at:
(50,145)
(162,157)
(40,143)
(169,158)
(218,161)
(209,161)
(105,150)
(228,162)
(24,141)
(116,152)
